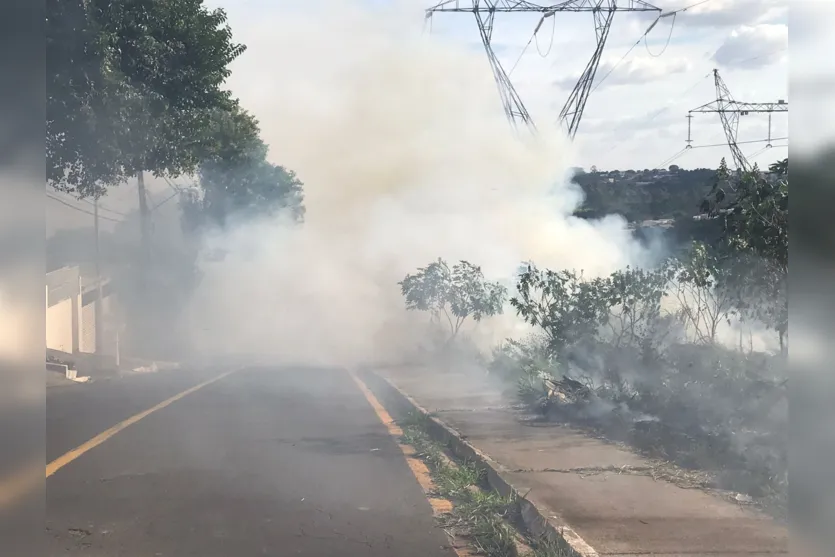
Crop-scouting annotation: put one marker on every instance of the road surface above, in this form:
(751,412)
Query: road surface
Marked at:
(261,462)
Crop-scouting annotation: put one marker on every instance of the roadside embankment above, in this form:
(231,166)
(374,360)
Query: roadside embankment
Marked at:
(602,498)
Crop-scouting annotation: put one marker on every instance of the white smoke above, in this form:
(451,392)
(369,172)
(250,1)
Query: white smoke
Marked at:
(406,156)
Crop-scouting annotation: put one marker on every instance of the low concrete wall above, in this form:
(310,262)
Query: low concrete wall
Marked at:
(71,313)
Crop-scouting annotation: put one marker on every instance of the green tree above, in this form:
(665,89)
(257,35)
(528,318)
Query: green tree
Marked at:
(135,90)
(456,294)
(237,180)
(754,213)
(633,297)
(568,308)
(701,285)
(82,124)
(754,210)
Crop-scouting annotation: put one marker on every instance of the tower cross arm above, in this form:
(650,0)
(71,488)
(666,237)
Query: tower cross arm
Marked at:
(507,6)
(734,106)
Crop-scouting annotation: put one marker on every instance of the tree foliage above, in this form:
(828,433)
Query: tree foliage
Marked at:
(700,284)
(753,209)
(132,86)
(571,310)
(455,293)
(566,307)
(237,180)
(633,296)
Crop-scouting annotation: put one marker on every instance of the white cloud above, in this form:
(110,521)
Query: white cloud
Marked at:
(753,47)
(633,71)
(725,13)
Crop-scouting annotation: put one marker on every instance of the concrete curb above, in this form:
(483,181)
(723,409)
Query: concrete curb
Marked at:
(539,520)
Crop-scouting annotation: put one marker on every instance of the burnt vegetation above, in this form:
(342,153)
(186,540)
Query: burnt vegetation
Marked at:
(664,359)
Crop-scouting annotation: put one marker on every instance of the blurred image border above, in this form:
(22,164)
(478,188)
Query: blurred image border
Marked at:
(22,299)
(812,276)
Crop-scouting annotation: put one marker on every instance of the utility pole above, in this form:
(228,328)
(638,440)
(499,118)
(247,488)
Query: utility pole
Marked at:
(144,220)
(729,111)
(99,310)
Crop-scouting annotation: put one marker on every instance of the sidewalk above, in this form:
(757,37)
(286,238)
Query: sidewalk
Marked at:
(604,497)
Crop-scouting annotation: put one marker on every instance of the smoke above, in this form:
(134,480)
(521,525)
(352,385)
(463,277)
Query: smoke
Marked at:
(406,156)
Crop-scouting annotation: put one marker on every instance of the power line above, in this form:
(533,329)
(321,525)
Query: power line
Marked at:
(534,35)
(670,36)
(84,200)
(103,208)
(671,159)
(738,143)
(758,56)
(551,44)
(685,149)
(166,200)
(79,209)
(522,54)
(172,186)
(658,112)
(644,35)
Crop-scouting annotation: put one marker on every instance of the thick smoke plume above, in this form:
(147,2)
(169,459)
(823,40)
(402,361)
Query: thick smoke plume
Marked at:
(406,157)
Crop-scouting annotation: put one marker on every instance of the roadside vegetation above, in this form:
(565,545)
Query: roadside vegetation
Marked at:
(136,90)
(488,522)
(637,356)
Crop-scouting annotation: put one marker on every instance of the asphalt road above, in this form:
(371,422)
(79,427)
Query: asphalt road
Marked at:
(263,462)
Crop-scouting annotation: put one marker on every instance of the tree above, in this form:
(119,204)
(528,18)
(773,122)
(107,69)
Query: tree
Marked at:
(82,128)
(701,286)
(568,308)
(754,210)
(633,297)
(754,213)
(593,169)
(237,180)
(134,89)
(456,294)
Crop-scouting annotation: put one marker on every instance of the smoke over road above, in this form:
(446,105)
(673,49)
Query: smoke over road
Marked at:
(406,157)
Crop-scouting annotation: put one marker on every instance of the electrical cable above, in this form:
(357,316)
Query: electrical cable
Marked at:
(553,33)
(670,36)
(174,187)
(738,143)
(684,150)
(658,112)
(166,200)
(528,44)
(79,209)
(743,62)
(84,200)
(619,61)
(521,55)
(643,36)
(764,149)
(760,152)
(691,6)
(103,208)
(671,159)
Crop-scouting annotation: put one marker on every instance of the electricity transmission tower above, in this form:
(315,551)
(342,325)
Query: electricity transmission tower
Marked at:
(485,12)
(729,112)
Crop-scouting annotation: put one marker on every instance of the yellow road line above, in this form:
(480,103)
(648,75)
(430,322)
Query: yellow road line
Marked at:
(65,459)
(418,467)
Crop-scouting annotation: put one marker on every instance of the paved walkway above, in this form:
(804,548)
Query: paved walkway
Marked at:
(604,493)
